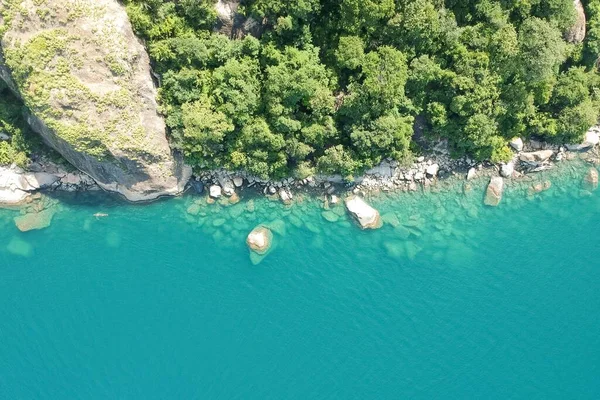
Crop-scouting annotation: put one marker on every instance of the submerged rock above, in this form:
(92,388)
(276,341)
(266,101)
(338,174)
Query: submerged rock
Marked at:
(493,194)
(85,79)
(364,214)
(259,240)
(34,221)
(591,179)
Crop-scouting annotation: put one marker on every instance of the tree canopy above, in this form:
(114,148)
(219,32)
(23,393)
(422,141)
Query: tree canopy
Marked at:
(335,85)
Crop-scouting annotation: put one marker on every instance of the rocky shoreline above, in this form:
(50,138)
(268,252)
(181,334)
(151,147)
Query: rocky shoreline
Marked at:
(18,185)
(529,157)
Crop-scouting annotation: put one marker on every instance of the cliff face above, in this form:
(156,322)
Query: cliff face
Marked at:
(86,80)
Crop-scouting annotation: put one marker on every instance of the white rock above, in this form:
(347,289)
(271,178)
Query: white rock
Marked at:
(421,159)
(506,170)
(285,195)
(471,174)
(215,191)
(259,240)
(517,144)
(238,181)
(12,187)
(334,199)
(364,214)
(433,170)
(419,176)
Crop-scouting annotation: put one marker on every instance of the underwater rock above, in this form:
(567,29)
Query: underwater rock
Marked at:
(493,194)
(506,170)
(330,216)
(19,247)
(193,209)
(364,214)
(391,219)
(33,221)
(259,240)
(591,179)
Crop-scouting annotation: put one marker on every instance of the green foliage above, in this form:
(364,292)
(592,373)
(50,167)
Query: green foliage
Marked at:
(333,86)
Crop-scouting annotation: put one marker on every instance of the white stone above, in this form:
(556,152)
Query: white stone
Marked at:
(215,191)
(506,170)
(419,176)
(334,199)
(517,144)
(12,187)
(259,240)
(433,170)
(364,214)
(285,195)
(471,174)
(238,181)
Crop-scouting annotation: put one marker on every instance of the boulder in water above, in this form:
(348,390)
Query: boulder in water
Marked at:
(215,191)
(493,194)
(259,240)
(364,214)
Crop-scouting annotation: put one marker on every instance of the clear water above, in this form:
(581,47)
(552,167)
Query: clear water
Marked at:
(455,301)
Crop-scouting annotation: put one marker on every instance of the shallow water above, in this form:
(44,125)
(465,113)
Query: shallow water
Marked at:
(450,299)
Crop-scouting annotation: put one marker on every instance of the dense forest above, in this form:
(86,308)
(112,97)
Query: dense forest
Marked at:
(336,86)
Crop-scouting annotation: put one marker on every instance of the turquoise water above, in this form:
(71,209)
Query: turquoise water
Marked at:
(448,300)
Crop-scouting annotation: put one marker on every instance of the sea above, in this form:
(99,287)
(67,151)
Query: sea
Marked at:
(450,299)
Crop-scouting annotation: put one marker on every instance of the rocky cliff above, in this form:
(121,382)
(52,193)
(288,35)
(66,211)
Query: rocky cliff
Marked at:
(86,81)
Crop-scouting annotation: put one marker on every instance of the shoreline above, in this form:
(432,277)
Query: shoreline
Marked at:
(18,186)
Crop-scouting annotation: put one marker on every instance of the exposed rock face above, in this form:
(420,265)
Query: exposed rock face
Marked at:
(576,33)
(14,188)
(233,24)
(364,214)
(493,194)
(259,240)
(86,80)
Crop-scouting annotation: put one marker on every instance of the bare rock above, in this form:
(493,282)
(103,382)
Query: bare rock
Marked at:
(576,34)
(590,140)
(506,170)
(238,181)
(364,214)
(433,170)
(493,194)
(517,144)
(101,114)
(536,156)
(471,174)
(259,240)
(215,191)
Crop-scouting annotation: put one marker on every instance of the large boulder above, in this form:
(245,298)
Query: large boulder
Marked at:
(366,216)
(516,144)
(86,81)
(536,156)
(493,194)
(576,33)
(259,240)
